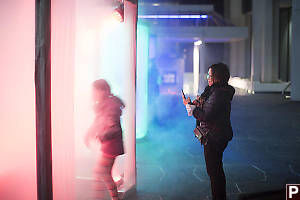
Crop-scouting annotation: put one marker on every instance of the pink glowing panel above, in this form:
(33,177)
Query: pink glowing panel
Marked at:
(62,93)
(17,102)
(86,45)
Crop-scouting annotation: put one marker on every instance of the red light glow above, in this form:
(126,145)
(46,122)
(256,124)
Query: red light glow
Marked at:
(119,13)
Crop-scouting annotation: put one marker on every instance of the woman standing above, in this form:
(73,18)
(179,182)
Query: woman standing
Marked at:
(106,128)
(212,111)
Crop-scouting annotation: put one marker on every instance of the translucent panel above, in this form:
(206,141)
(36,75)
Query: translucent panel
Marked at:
(87,44)
(142,81)
(62,97)
(105,48)
(17,102)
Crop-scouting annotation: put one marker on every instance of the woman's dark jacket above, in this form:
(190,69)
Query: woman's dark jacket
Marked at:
(214,114)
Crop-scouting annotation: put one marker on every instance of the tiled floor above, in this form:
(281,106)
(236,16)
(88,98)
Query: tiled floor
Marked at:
(262,157)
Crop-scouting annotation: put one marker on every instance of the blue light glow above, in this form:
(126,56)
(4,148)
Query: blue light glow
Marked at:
(173,16)
(142,81)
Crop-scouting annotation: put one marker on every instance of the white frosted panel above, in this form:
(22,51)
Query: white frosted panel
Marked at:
(117,65)
(130,75)
(105,48)
(17,102)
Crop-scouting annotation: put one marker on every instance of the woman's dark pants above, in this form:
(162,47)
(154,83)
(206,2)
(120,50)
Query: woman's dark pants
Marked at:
(213,154)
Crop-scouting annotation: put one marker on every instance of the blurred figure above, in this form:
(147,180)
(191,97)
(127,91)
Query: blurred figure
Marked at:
(106,129)
(212,110)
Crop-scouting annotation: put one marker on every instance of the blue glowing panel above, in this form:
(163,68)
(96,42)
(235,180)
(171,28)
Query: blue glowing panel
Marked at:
(142,81)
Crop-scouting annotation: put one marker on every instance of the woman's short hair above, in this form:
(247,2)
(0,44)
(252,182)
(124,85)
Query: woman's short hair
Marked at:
(220,73)
(102,85)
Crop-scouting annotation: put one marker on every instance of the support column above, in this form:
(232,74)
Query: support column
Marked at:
(237,48)
(275,47)
(196,71)
(199,70)
(261,61)
(237,59)
(295,59)
(43,98)
(267,42)
(202,67)
(256,40)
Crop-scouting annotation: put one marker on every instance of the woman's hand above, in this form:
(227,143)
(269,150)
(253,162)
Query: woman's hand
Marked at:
(198,101)
(186,101)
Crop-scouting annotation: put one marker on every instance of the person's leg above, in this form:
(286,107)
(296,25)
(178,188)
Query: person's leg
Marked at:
(214,168)
(98,187)
(103,173)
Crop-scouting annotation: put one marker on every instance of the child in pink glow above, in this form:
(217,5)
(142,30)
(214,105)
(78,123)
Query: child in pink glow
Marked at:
(106,128)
